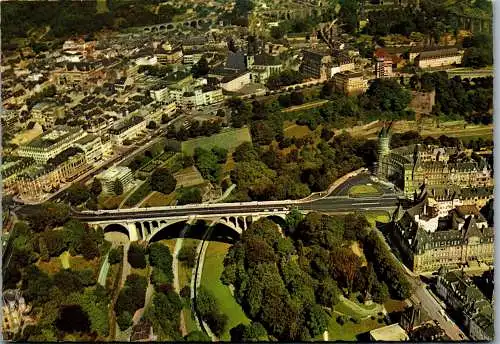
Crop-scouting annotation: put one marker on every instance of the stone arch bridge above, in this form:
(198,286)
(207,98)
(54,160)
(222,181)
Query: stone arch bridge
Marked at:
(146,227)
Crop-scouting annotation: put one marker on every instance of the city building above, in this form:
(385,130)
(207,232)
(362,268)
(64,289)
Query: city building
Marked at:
(350,82)
(109,177)
(439,58)
(91,146)
(46,113)
(51,143)
(127,129)
(234,82)
(389,333)
(412,166)
(167,53)
(383,67)
(429,241)
(262,66)
(460,293)
(316,64)
(38,180)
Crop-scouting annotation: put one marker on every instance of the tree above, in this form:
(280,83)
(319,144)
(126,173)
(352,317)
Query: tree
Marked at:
(187,254)
(293,218)
(68,281)
(189,195)
(161,259)
(118,187)
(96,187)
(115,255)
(201,68)
(187,161)
(380,292)
(245,152)
(92,204)
(136,256)
(163,181)
(297,98)
(316,320)
(77,193)
(387,95)
(124,320)
(152,125)
(327,293)
(48,215)
(344,265)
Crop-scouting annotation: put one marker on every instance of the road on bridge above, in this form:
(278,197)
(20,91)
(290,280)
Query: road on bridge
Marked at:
(333,204)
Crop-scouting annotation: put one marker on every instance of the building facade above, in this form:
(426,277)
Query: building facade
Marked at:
(439,58)
(51,143)
(412,166)
(429,241)
(109,177)
(460,293)
(350,83)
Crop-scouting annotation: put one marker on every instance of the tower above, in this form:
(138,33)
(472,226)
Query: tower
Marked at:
(384,139)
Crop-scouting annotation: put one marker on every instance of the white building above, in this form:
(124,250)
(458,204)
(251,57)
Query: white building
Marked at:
(235,82)
(48,145)
(127,129)
(109,177)
(92,148)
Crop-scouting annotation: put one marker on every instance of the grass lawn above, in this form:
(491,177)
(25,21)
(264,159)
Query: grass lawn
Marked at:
(158,199)
(110,202)
(77,263)
(295,130)
(51,267)
(210,279)
(190,322)
(364,191)
(227,139)
(80,263)
(392,305)
(350,330)
(189,176)
(380,216)
(141,272)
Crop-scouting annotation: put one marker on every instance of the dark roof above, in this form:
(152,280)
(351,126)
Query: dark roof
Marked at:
(266,60)
(426,55)
(236,61)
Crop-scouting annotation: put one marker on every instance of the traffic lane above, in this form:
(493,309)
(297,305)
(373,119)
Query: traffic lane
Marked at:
(339,208)
(432,307)
(327,203)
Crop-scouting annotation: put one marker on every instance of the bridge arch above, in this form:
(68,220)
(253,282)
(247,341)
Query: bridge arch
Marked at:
(162,231)
(117,228)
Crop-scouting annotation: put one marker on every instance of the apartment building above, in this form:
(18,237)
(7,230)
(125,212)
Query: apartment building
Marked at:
(51,143)
(350,83)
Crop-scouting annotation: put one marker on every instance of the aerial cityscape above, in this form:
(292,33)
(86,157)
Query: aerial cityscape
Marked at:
(247,170)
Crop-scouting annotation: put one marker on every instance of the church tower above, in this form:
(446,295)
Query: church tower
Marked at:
(384,140)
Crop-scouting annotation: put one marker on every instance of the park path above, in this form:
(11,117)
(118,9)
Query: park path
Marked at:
(361,311)
(103,273)
(175,270)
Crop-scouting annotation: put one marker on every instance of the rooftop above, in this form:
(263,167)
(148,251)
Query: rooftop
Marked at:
(390,333)
(114,172)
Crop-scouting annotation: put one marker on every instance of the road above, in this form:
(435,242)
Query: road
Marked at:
(332,204)
(429,304)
